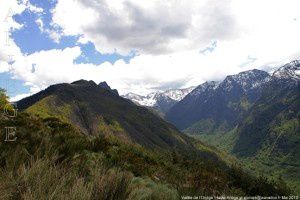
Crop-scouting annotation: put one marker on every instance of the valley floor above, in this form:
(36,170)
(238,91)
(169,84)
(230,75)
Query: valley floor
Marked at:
(262,164)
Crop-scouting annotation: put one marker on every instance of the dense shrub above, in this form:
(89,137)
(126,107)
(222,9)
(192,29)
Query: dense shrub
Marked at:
(53,160)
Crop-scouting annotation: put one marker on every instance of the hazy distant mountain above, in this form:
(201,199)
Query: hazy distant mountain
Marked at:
(253,115)
(268,135)
(213,105)
(290,71)
(273,121)
(162,101)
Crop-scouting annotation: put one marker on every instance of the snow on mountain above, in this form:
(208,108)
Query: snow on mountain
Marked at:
(210,85)
(141,100)
(162,100)
(289,71)
(133,96)
(243,82)
(178,94)
(218,104)
(246,80)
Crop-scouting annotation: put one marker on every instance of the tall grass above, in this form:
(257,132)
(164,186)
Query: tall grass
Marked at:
(44,179)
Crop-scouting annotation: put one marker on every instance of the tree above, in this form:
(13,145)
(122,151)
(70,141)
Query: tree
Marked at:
(3,99)
(5,106)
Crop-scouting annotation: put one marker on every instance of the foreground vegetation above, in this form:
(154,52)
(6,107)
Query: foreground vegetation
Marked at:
(53,160)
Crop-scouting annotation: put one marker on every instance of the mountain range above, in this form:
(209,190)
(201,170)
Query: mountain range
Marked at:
(86,128)
(221,102)
(161,101)
(252,115)
(83,141)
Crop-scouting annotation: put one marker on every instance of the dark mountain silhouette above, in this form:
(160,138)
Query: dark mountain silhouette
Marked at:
(97,110)
(104,85)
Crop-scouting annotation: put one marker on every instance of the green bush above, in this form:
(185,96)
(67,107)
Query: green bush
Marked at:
(142,189)
(53,160)
(112,184)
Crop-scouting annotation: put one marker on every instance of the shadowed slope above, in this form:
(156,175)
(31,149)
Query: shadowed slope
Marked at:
(95,110)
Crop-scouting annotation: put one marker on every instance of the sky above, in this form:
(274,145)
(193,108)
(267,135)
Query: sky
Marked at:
(141,46)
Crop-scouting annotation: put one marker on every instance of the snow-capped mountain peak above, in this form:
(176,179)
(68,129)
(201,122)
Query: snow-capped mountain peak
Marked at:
(246,80)
(178,94)
(133,96)
(289,71)
(162,100)
(141,100)
(209,85)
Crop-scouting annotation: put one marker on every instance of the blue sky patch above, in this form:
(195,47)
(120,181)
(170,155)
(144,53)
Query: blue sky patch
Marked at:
(31,39)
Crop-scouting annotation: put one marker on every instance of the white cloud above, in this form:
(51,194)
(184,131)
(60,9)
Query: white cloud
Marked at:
(144,73)
(8,49)
(169,36)
(153,27)
(19,97)
(157,27)
(40,24)
(54,32)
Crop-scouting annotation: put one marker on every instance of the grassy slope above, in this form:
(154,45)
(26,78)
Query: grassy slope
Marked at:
(87,107)
(223,141)
(52,159)
(267,161)
(267,138)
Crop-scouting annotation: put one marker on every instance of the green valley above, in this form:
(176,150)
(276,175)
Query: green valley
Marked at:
(54,159)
